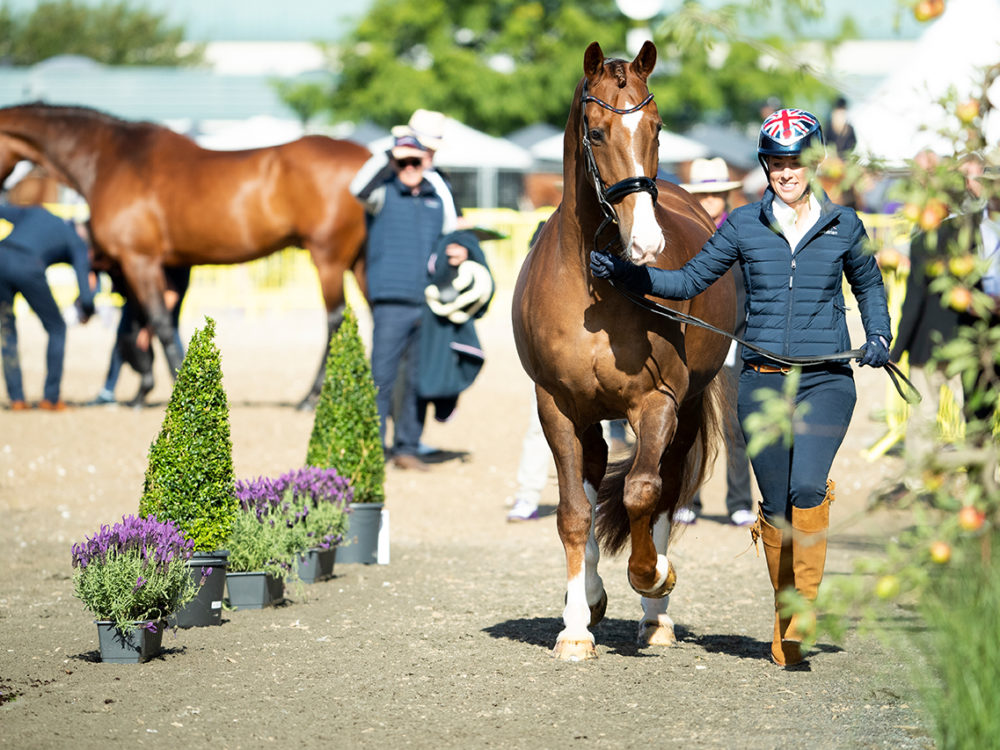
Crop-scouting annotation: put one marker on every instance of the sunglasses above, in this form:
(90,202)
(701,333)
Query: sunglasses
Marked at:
(411,162)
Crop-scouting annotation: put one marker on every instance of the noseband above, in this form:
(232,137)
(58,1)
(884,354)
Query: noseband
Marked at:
(609,196)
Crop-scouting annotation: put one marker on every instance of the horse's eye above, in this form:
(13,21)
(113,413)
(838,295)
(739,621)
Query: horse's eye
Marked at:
(596,135)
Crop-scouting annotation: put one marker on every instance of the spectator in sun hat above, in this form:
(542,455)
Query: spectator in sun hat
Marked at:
(425,127)
(407,215)
(710,184)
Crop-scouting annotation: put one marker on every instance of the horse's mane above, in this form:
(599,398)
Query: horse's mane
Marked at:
(76,112)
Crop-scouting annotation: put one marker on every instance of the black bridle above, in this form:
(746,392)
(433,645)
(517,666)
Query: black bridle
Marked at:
(607,197)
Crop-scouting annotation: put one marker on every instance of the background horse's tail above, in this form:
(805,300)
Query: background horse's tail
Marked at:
(612,523)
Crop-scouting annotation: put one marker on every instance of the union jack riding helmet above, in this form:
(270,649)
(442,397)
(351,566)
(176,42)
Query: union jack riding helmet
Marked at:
(787,132)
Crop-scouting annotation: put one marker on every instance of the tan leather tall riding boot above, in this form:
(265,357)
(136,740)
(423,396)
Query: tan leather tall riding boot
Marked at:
(778,553)
(809,534)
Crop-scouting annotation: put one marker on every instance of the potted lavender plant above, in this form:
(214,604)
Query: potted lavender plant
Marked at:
(315,503)
(304,515)
(131,576)
(259,559)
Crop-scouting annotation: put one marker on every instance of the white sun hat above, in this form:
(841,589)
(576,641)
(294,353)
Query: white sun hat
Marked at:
(427,126)
(710,176)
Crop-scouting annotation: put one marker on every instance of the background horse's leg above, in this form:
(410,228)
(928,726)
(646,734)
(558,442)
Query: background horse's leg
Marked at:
(656,628)
(145,276)
(573,519)
(333,320)
(649,572)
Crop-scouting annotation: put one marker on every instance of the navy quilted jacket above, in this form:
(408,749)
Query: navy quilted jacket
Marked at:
(795,302)
(401,238)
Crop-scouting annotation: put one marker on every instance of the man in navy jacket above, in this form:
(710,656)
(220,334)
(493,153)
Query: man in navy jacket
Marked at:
(31,240)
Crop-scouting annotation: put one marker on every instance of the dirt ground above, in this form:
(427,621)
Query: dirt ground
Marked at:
(447,645)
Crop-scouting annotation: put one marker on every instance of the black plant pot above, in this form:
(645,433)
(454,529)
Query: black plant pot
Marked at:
(361,544)
(317,564)
(206,607)
(254,590)
(129,646)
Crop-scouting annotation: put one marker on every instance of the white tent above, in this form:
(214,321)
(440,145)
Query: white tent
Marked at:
(255,132)
(674,148)
(465,147)
(902,115)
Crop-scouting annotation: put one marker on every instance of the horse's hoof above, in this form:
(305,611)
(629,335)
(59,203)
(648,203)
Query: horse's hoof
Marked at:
(666,579)
(656,634)
(597,610)
(567,650)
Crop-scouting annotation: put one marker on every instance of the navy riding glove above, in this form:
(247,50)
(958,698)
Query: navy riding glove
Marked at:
(605,266)
(876,352)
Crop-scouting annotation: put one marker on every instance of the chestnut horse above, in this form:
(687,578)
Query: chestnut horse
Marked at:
(594,355)
(158,199)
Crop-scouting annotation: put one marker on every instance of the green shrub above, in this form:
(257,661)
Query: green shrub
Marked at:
(345,433)
(189,478)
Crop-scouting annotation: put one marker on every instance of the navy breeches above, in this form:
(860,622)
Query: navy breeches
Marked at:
(26,274)
(795,475)
(395,339)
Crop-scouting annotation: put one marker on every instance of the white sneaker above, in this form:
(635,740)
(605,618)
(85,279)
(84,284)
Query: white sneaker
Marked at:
(523,510)
(685,516)
(742,517)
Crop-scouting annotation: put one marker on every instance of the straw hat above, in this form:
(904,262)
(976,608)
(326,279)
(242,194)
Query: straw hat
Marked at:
(710,176)
(426,126)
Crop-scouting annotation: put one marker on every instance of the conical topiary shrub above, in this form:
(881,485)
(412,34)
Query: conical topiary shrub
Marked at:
(189,479)
(345,434)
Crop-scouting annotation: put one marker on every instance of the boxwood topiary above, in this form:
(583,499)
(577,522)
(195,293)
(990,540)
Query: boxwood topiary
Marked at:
(189,478)
(345,434)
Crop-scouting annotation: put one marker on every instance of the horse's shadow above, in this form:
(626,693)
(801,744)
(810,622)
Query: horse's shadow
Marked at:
(619,636)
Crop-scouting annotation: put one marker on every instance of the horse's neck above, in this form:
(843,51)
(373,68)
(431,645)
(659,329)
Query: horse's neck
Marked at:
(62,144)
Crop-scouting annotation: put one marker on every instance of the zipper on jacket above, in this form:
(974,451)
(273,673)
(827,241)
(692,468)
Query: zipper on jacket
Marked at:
(791,304)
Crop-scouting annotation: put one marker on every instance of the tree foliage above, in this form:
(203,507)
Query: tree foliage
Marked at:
(499,65)
(113,33)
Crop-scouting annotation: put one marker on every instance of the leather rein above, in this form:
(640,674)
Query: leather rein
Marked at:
(607,197)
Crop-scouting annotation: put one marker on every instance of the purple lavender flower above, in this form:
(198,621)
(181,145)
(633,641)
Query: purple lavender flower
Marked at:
(158,542)
(139,584)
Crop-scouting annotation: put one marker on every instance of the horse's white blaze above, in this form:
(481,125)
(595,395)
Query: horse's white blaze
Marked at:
(645,241)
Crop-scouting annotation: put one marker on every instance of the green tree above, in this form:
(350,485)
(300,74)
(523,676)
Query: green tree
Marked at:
(501,64)
(113,33)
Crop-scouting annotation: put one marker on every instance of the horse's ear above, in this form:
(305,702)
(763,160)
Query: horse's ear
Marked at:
(645,61)
(593,60)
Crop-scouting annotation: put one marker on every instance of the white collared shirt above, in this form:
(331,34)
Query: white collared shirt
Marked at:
(989,229)
(787,220)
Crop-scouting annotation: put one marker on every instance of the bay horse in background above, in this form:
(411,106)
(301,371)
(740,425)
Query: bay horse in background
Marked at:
(158,199)
(594,355)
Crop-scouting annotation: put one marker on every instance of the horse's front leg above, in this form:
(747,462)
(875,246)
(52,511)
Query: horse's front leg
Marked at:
(649,571)
(656,628)
(580,461)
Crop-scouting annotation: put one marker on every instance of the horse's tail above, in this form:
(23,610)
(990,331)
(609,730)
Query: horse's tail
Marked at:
(612,521)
